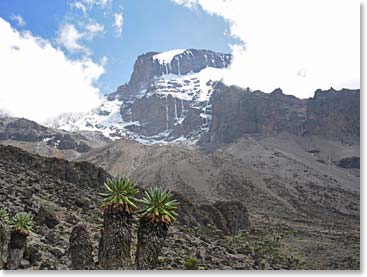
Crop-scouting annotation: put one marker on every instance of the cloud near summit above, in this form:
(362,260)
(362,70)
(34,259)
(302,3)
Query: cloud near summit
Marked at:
(299,46)
(39,82)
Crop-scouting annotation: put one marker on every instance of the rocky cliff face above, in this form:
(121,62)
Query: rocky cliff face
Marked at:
(167,96)
(167,99)
(177,96)
(334,114)
(177,62)
(237,112)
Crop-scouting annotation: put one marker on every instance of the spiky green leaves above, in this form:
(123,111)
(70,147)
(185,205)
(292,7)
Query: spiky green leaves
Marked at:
(158,206)
(4,217)
(120,192)
(22,222)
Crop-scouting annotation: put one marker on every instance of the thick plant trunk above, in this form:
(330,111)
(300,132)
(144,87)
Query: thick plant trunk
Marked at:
(151,238)
(114,246)
(2,244)
(81,248)
(16,249)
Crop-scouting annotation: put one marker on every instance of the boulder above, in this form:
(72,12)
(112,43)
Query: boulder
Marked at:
(47,216)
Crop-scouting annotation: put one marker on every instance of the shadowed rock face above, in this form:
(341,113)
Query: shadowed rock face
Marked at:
(158,113)
(236,112)
(334,113)
(229,216)
(21,129)
(84,174)
(351,162)
(22,132)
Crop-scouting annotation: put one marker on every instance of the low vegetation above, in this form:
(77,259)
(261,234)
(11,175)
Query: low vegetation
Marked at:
(4,217)
(22,223)
(120,193)
(191,264)
(158,206)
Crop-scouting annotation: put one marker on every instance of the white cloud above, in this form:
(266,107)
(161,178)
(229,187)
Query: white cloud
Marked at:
(187,3)
(298,46)
(37,80)
(69,37)
(103,61)
(86,5)
(104,3)
(18,19)
(79,6)
(118,23)
(93,29)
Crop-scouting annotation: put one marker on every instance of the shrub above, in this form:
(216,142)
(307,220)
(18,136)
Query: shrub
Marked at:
(191,264)
(4,217)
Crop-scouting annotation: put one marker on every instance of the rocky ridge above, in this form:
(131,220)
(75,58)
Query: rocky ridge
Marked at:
(237,112)
(177,97)
(36,138)
(166,100)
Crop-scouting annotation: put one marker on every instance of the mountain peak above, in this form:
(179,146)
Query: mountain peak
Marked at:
(166,57)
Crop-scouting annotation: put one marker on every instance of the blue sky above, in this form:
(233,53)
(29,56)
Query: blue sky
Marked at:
(61,55)
(148,25)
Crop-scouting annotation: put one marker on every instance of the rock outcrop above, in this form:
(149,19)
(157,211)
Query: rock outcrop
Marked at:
(349,162)
(166,98)
(39,139)
(334,114)
(150,65)
(21,129)
(228,216)
(46,216)
(237,112)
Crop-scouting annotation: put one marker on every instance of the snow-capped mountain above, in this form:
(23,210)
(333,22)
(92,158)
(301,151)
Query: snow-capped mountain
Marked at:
(166,100)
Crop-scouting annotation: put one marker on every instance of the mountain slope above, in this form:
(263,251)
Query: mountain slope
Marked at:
(166,100)
(60,194)
(177,97)
(280,179)
(39,139)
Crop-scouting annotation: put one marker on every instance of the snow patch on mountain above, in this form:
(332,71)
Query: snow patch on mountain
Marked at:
(193,87)
(106,119)
(166,57)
